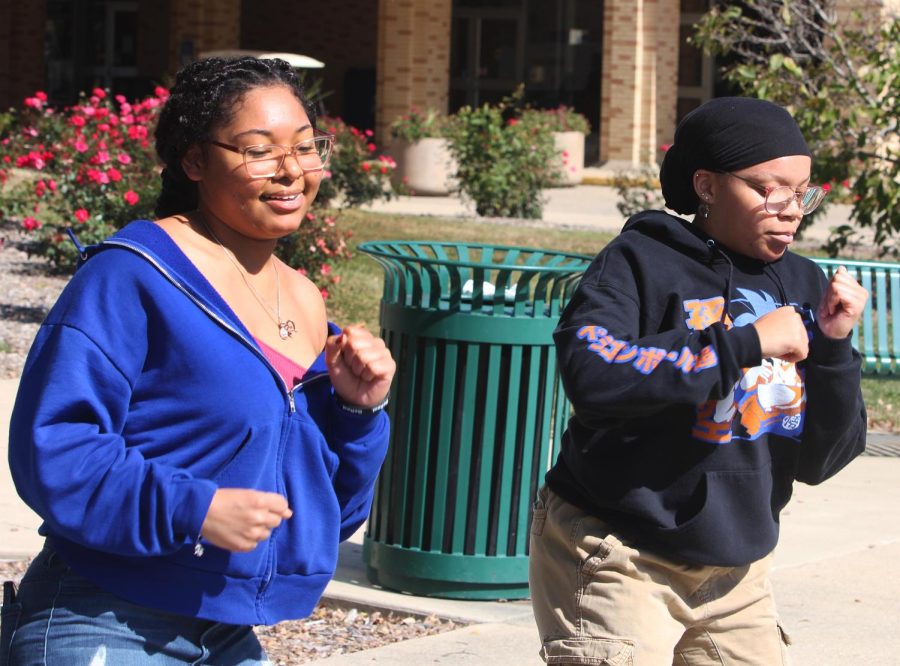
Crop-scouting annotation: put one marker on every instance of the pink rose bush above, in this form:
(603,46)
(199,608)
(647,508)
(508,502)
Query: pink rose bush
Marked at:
(92,167)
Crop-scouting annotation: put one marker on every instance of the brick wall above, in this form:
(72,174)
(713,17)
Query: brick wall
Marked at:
(340,33)
(640,56)
(22,62)
(201,25)
(413,58)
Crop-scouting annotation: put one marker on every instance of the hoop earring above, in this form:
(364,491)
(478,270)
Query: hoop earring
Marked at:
(703,211)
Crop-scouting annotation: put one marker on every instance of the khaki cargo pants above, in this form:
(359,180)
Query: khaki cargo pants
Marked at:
(599,601)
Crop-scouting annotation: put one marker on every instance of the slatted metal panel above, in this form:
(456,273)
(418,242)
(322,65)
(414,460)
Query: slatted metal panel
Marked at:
(477,412)
(877,336)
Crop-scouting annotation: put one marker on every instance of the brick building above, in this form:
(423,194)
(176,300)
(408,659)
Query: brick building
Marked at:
(625,64)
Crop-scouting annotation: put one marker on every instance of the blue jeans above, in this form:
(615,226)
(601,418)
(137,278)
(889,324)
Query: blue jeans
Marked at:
(62,619)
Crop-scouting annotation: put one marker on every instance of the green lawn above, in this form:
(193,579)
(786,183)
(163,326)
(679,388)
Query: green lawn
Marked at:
(357,296)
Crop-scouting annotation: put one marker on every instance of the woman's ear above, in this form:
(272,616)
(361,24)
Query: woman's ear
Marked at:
(193,163)
(704,185)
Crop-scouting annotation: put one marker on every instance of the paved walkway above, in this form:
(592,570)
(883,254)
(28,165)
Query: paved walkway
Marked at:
(837,576)
(581,207)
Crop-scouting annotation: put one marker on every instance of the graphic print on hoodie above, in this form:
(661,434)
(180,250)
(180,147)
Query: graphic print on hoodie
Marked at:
(769,398)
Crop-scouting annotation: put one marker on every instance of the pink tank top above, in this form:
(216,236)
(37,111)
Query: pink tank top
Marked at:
(290,371)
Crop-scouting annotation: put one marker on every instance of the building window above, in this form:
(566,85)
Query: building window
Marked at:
(553,47)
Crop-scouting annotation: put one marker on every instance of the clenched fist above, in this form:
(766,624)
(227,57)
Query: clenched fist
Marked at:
(842,305)
(238,518)
(360,366)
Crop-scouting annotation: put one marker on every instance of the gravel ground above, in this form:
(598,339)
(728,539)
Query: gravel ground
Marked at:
(330,630)
(26,294)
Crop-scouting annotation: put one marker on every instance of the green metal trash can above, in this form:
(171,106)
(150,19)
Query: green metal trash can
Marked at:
(476,410)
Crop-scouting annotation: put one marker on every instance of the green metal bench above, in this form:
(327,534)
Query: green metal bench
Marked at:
(877,336)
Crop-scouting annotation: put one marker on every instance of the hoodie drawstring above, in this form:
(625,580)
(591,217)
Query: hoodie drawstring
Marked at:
(712,245)
(777,280)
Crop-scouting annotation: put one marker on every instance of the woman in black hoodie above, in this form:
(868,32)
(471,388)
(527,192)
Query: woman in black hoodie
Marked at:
(709,368)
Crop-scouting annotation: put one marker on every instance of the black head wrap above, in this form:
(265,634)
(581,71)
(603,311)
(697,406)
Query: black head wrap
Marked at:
(725,134)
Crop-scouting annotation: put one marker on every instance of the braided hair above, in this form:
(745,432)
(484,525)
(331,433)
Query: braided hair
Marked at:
(204,97)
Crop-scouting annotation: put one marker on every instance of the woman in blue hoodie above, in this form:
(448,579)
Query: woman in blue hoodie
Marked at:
(709,368)
(195,434)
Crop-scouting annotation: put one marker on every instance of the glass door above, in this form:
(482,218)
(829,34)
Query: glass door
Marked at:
(486,57)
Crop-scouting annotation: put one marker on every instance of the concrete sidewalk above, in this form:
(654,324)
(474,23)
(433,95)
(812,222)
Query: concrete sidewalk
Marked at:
(837,576)
(585,207)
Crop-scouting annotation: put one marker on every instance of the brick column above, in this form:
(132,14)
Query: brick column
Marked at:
(640,56)
(413,59)
(22,61)
(202,25)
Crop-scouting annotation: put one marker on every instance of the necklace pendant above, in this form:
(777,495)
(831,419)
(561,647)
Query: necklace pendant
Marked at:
(286,329)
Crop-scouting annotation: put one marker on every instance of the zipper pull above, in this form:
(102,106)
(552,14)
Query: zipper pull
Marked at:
(291,400)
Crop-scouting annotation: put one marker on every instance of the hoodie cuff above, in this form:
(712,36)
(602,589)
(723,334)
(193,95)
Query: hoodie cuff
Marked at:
(829,351)
(745,343)
(197,495)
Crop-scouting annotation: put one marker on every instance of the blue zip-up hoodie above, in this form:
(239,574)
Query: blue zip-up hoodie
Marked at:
(142,395)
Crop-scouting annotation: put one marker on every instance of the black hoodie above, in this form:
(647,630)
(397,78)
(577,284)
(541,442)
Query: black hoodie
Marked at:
(683,437)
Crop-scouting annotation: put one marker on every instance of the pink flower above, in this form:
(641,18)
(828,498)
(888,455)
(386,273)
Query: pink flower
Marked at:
(82,215)
(161,92)
(665,147)
(100,93)
(512,122)
(325,269)
(124,158)
(846,183)
(324,293)
(114,174)
(826,187)
(97,176)
(81,146)
(366,167)
(371,147)
(77,121)
(302,271)
(30,224)
(131,197)
(40,189)
(52,185)
(41,95)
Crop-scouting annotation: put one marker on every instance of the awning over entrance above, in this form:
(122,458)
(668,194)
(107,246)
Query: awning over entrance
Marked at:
(295,60)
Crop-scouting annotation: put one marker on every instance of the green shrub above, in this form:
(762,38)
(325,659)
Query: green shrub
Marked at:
(638,190)
(504,160)
(316,248)
(357,173)
(417,125)
(561,119)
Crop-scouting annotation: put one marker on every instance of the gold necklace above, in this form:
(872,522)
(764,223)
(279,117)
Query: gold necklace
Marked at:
(286,327)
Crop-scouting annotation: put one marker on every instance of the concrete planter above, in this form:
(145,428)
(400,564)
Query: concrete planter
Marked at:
(426,167)
(570,146)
